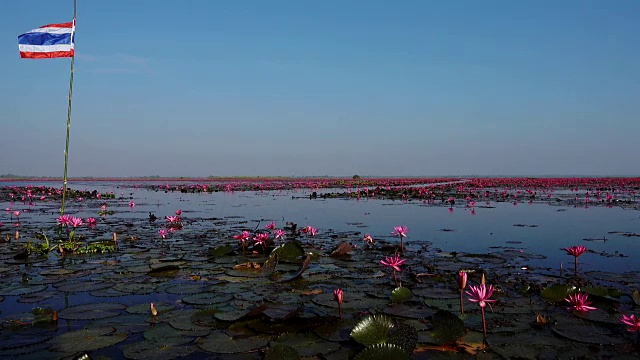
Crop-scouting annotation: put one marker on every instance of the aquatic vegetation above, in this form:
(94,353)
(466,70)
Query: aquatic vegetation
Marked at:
(285,302)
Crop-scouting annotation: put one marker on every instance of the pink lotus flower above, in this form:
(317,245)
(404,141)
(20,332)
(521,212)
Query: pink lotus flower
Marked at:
(178,212)
(16,213)
(75,222)
(575,251)
(401,232)
(480,294)
(131,204)
(261,238)
(632,321)
(368,239)
(243,237)
(579,302)
(338,296)
(172,219)
(309,230)
(270,226)
(64,219)
(393,262)
(279,234)
(91,222)
(163,233)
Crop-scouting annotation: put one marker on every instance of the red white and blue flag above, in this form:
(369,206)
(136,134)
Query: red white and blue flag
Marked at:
(49,41)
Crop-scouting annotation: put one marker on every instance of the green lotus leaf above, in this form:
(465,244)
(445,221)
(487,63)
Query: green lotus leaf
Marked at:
(20,289)
(291,251)
(84,340)
(307,344)
(586,332)
(207,298)
(372,330)
(556,293)
(220,251)
(221,343)
(166,270)
(447,327)
(281,352)
(383,352)
(91,311)
(166,335)
(401,294)
(157,351)
(602,291)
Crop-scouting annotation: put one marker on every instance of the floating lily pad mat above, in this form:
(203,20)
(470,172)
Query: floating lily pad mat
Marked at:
(208,305)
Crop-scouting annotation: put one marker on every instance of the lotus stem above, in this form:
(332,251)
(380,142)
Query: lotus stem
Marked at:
(461,303)
(484,324)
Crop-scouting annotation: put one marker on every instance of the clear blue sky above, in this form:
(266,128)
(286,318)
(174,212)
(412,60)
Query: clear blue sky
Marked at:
(395,88)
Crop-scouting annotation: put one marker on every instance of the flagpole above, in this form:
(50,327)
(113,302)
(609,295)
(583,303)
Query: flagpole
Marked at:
(66,147)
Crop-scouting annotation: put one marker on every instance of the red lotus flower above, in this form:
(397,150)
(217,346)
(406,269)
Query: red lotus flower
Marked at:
(579,302)
(632,321)
(279,234)
(575,250)
(338,296)
(393,261)
(400,231)
(261,238)
(91,222)
(480,294)
(75,222)
(163,233)
(270,226)
(244,236)
(64,219)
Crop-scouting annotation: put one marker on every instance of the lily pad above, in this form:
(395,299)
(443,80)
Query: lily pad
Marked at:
(556,293)
(220,251)
(84,340)
(91,311)
(291,251)
(306,344)
(447,327)
(20,289)
(221,343)
(281,352)
(166,335)
(585,332)
(157,351)
(207,298)
(602,291)
(401,294)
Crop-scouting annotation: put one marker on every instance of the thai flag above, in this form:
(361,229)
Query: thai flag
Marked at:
(49,41)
